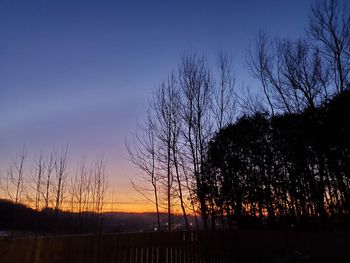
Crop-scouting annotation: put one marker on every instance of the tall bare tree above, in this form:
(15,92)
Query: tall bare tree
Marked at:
(224,97)
(173,103)
(195,82)
(100,186)
(142,153)
(61,176)
(291,73)
(15,177)
(303,74)
(15,182)
(81,186)
(184,112)
(330,27)
(40,171)
(50,166)
(259,62)
(163,112)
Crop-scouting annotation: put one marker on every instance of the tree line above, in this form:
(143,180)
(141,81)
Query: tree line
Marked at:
(224,154)
(290,169)
(51,187)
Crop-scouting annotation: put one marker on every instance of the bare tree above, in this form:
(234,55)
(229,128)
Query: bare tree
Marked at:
(292,74)
(61,175)
(296,74)
(2,185)
(15,182)
(142,153)
(330,27)
(195,82)
(81,185)
(184,111)
(162,108)
(303,74)
(259,60)
(100,186)
(15,177)
(224,97)
(40,170)
(50,166)
(72,189)
(173,103)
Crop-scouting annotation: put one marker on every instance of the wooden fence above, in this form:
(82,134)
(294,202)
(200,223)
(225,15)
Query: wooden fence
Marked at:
(175,247)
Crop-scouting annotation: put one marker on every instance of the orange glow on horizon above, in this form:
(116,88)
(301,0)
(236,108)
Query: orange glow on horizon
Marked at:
(129,207)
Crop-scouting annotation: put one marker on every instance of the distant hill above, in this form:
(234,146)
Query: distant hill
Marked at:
(28,221)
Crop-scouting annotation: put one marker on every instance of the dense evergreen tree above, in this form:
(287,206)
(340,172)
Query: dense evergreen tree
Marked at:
(291,167)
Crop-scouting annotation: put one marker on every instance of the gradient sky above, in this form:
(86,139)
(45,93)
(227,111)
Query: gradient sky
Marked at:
(79,73)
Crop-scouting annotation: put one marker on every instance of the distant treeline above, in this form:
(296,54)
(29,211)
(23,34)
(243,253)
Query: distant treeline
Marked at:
(55,192)
(291,169)
(46,221)
(31,222)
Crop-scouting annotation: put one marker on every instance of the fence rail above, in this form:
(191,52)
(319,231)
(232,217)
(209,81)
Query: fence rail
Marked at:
(173,247)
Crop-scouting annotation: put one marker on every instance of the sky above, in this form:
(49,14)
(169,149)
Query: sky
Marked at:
(80,73)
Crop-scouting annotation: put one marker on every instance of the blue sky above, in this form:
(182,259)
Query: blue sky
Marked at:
(79,73)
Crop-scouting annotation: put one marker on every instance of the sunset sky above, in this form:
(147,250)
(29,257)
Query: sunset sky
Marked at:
(79,73)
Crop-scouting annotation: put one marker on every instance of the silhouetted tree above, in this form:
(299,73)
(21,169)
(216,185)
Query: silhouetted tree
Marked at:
(15,183)
(290,166)
(61,176)
(142,153)
(330,28)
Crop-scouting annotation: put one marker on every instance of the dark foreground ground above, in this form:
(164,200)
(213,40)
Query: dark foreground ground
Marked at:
(170,247)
